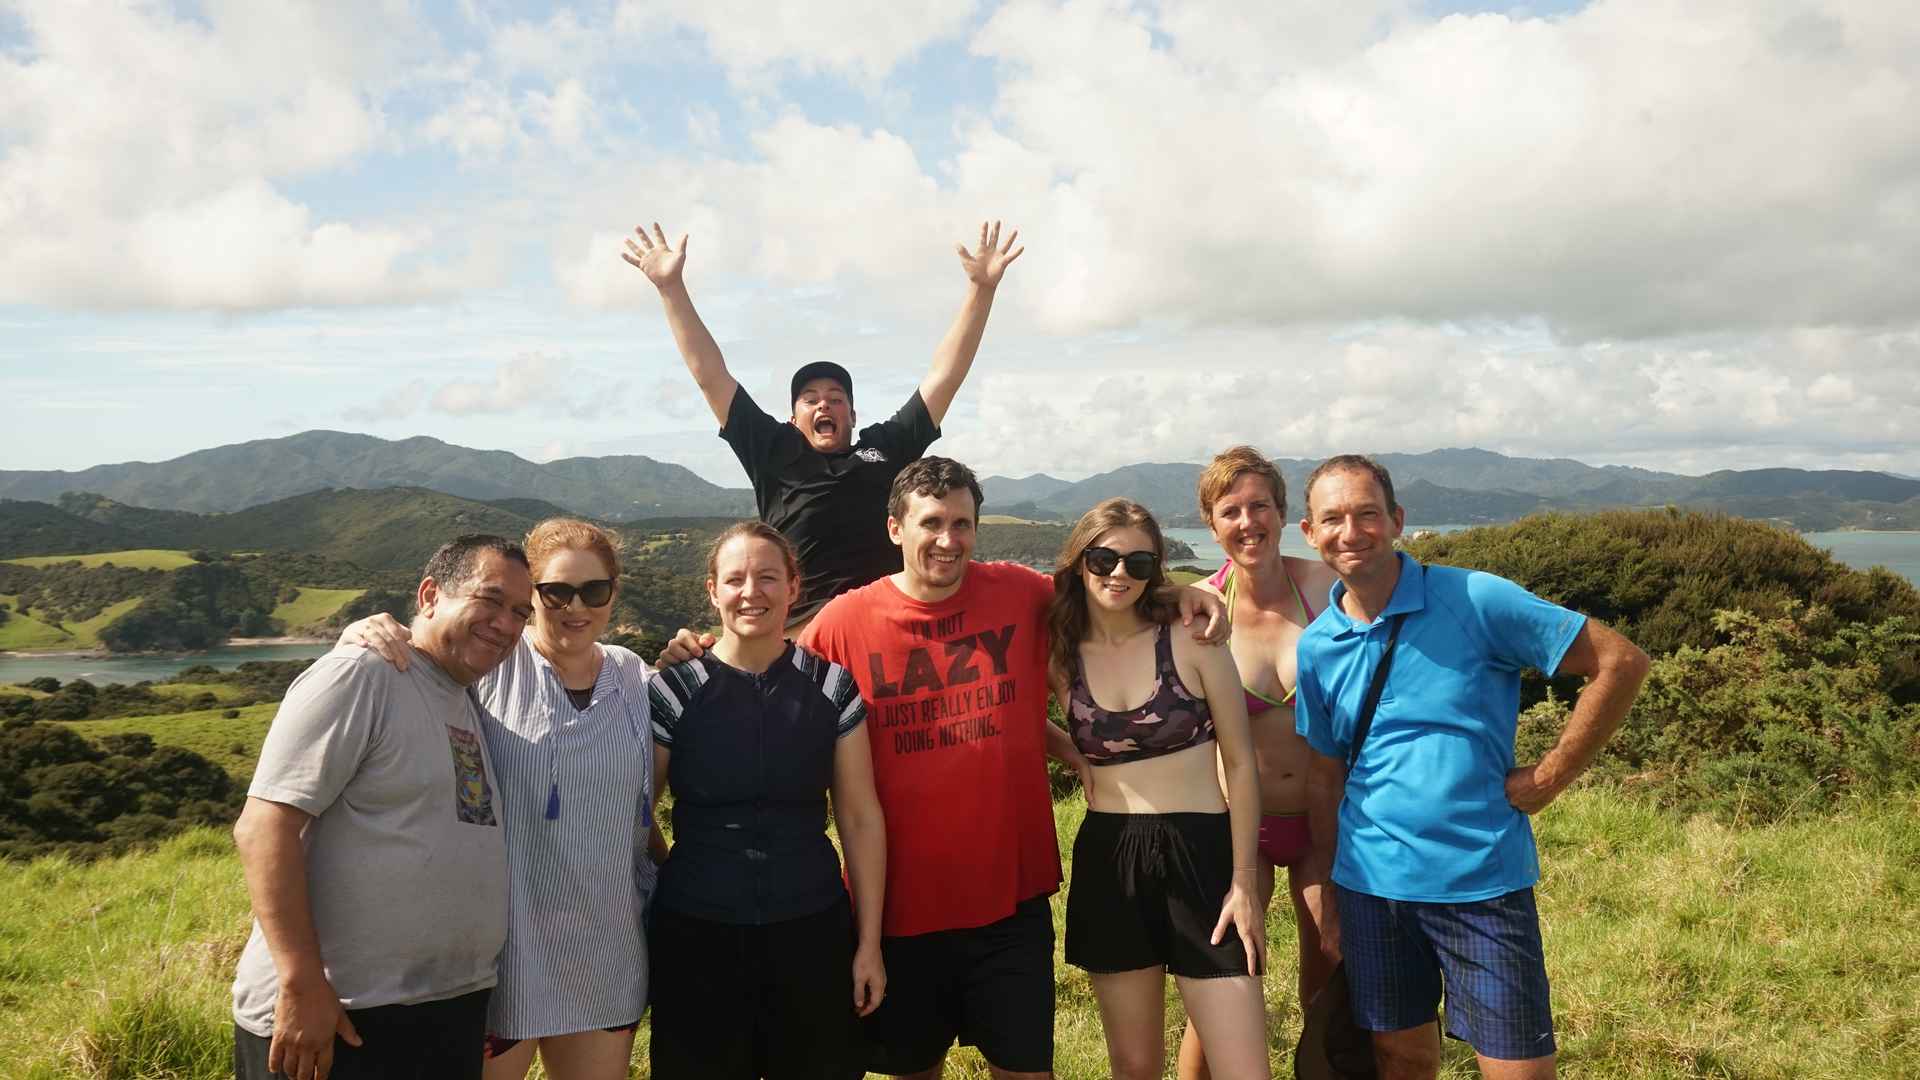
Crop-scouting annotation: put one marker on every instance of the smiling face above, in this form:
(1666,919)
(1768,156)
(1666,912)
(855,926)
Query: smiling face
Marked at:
(751,588)
(1246,521)
(1350,523)
(824,414)
(469,630)
(1117,591)
(572,629)
(936,540)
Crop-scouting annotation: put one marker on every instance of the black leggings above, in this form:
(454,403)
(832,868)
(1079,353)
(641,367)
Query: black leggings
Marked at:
(733,1002)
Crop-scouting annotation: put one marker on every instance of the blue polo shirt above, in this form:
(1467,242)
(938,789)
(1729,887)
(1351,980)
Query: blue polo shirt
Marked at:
(1425,815)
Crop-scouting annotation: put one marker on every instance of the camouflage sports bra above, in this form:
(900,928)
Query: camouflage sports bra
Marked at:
(1172,719)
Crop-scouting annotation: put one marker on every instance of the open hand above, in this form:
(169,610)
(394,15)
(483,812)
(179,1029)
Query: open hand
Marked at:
(657,259)
(683,646)
(985,264)
(306,1017)
(383,634)
(1240,912)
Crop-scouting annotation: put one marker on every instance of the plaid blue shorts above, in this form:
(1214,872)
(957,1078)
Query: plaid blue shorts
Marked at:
(1488,951)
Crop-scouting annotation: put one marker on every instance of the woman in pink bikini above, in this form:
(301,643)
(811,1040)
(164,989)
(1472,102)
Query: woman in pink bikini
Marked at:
(1270,599)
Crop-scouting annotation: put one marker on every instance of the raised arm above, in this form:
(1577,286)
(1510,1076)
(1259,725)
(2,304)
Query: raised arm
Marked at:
(1615,668)
(663,263)
(306,1012)
(954,356)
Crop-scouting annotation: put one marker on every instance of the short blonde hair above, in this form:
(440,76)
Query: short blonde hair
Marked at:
(1226,469)
(555,535)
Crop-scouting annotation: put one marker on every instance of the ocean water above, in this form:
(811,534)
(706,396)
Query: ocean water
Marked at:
(132,669)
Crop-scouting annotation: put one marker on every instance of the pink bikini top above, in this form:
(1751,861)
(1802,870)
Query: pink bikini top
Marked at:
(1225,580)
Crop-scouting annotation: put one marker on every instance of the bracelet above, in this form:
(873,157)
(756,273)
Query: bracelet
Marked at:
(1237,869)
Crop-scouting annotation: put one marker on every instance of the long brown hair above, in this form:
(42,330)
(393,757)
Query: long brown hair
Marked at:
(1067,617)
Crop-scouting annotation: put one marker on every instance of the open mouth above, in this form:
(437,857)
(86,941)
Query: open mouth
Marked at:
(825,425)
(750,612)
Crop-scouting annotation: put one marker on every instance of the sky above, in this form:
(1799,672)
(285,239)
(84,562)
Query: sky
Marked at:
(1678,234)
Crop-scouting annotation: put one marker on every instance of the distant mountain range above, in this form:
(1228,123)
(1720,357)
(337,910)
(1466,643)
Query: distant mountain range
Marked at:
(304,471)
(1471,486)
(248,474)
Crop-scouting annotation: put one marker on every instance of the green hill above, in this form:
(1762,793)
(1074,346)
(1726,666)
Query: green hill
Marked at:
(238,476)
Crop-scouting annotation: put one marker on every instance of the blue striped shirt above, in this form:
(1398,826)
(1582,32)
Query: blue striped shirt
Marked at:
(574,785)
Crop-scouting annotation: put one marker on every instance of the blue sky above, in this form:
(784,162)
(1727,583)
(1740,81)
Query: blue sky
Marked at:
(1677,236)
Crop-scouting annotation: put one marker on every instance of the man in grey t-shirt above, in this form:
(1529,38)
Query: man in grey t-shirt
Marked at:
(373,850)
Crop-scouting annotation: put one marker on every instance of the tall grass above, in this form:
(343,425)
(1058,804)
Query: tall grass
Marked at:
(1678,948)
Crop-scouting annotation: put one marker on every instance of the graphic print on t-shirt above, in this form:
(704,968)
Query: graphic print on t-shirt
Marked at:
(472,796)
(947,687)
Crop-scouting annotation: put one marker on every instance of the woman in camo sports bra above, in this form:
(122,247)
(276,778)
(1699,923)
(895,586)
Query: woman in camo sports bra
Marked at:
(1164,876)
(1270,599)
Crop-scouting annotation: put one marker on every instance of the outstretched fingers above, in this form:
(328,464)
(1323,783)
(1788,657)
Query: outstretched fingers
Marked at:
(660,235)
(1011,237)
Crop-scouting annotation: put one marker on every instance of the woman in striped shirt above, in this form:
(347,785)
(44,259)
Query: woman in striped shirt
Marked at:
(568,731)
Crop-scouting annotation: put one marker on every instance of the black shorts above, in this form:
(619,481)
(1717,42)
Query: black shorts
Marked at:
(988,986)
(749,1001)
(433,1038)
(1146,892)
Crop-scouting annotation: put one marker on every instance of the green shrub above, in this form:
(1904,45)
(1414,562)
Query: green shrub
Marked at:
(1777,717)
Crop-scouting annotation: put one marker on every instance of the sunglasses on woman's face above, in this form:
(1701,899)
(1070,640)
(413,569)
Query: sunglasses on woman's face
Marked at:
(558,594)
(1139,564)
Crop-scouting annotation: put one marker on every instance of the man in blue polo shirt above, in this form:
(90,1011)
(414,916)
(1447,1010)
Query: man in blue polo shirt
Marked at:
(1422,847)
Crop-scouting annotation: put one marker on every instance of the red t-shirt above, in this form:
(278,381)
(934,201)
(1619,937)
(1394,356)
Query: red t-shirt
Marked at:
(956,713)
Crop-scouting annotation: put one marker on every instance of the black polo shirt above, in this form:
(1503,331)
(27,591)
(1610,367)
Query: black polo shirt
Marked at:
(751,761)
(833,507)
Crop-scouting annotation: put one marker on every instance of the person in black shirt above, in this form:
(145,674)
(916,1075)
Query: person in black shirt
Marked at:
(811,480)
(759,964)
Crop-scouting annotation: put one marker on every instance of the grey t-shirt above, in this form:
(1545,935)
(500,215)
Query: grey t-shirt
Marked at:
(406,860)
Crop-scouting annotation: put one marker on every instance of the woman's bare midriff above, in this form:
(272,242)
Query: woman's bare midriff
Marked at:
(1281,755)
(1183,782)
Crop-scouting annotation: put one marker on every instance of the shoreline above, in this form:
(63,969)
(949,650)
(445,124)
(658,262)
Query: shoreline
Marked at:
(103,654)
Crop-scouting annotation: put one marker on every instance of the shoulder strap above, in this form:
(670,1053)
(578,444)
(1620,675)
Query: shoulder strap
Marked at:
(1374,689)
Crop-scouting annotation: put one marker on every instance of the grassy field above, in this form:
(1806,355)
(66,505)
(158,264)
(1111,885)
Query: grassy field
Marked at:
(233,743)
(22,632)
(313,605)
(1678,949)
(138,559)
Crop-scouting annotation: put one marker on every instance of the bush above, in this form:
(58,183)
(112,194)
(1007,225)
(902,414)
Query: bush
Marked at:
(1662,576)
(1775,719)
(59,792)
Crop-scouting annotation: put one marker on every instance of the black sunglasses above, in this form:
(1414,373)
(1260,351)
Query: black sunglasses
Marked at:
(1140,564)
(558,594)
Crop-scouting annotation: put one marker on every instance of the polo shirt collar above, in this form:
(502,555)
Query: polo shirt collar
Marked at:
(1409,594)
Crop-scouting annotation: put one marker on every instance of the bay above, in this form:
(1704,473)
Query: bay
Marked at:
(101,670)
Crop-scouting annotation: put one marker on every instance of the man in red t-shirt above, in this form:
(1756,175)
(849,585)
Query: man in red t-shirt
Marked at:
(951,657)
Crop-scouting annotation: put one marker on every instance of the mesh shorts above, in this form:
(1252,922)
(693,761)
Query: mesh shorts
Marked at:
(1487,952)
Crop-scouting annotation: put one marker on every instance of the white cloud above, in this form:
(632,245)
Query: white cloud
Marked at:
(1678,405)
(147,156)
(527,379)
(864,39)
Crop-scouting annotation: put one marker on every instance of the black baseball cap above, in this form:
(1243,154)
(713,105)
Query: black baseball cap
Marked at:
(820,369)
